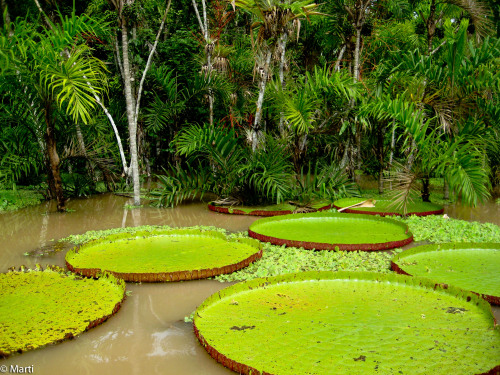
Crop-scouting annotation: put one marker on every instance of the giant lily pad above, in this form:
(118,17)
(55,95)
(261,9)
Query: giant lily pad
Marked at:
(329,231)
(269,210)
(42,307)
(470,266)
(348,323)
(388,208)
(164,255)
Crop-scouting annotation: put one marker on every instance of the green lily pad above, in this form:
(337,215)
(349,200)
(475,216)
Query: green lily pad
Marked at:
(269,210)
(388,208)
(348,323)
(330,231)
(43,307)
(164,255)
(470,266)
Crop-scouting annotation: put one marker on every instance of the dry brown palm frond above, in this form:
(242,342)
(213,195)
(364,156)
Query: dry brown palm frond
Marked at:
(228,201)
(405,186)
(479,13)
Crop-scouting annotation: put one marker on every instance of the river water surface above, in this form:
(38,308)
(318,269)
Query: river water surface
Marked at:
(148,335)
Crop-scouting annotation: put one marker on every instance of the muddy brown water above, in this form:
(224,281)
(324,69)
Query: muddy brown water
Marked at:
(148,335)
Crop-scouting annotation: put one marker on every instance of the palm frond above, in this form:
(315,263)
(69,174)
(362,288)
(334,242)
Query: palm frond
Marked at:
(179,184)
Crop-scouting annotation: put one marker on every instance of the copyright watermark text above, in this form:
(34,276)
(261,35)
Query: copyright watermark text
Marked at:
(16,369)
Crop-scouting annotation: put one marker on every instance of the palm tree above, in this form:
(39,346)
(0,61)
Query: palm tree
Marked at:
(52,70)
(274,20)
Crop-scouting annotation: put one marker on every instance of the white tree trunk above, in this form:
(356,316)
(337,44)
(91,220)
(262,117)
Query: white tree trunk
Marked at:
(282,46)
(132,124)
(260,101)
(357,53)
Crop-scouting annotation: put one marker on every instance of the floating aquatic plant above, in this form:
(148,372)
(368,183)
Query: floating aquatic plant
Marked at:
(270,210)
(163,255)
(470,266)
(39,307)
(332,231)
(348,323)
(385,207)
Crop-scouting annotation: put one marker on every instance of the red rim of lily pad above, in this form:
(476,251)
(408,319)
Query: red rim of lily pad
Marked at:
(396,268)
(162,273)
(327,246)
(159,277)
(91,324)
(309,245)
(242,368)
(236,211)
(390,213)
(426,213)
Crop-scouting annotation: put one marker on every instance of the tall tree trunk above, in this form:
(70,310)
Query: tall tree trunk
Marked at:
(260,101)
(282,46)
(426,189)
(380,152)
(393,145)
(132,124)
(55,182)
(357,49)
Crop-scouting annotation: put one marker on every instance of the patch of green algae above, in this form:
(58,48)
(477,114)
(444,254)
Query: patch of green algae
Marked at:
(162,251)
(350,323)
(42,307)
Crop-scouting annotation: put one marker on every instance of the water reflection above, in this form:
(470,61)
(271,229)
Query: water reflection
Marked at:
(148,335)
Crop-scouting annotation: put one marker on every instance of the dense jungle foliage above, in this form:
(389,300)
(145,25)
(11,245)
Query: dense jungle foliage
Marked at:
(254,101)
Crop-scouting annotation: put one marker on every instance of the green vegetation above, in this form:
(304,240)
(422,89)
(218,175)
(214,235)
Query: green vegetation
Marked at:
(11,200)
(161,251)
(42,307)
(282,207)
(92,235)
(257,102)
(332,228)
(388,206)
(323,322)
(278,260)
(470,266)
(438,229)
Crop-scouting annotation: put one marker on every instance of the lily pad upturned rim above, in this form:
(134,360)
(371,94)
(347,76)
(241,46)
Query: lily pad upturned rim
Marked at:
(242,368)
(236,211)
(91,324)
(182,275)
(308,245)
(440,247)
(387,213)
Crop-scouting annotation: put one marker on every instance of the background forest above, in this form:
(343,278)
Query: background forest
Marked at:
(255,101)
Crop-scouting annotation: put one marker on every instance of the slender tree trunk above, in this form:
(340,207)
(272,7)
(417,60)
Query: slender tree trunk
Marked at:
(380,151)
(55,182)
(357,49)
(282,46)
(339,58)
(393,145)
(204,29)
(431,26)
(132,124)
(426,189)
(260,101)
